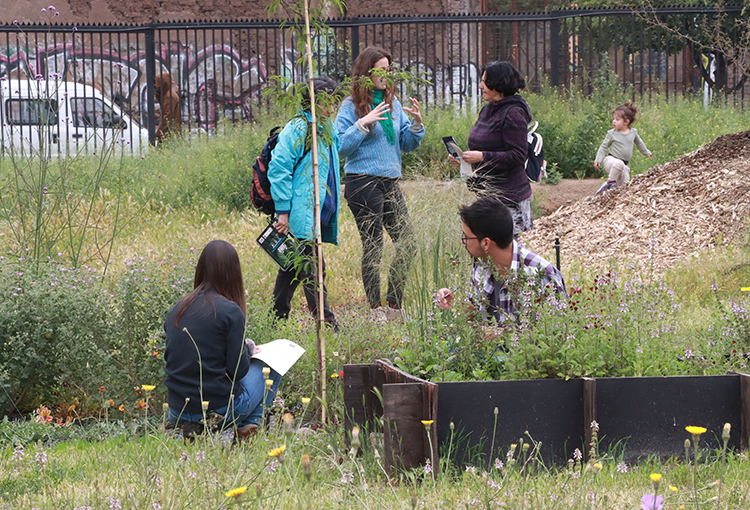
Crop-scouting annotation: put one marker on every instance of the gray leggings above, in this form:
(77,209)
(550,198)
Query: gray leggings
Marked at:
(377,203)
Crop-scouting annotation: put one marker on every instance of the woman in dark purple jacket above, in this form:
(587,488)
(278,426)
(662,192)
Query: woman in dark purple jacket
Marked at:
(498,144)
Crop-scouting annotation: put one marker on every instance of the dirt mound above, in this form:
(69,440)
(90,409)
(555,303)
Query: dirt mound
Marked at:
(661,216)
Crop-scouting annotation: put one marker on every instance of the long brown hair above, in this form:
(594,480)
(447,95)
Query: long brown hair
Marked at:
(361,94)
(218,270)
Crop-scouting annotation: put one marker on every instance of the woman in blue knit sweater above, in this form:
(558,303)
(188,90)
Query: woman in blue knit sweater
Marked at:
(373,130)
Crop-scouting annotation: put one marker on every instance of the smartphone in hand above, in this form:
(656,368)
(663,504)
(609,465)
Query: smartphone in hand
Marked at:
(452,146)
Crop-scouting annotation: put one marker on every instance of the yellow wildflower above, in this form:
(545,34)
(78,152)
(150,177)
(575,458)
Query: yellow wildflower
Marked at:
(269,382)
(673,488)
(656,477)
(276,452)
(306,467)
(696,431)
(148,387)
(204,405)
(598,466)
(236,492)
(427,423)
(121,408)
(305,401)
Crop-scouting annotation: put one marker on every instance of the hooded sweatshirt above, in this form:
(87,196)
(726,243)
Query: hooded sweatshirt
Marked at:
(504,146)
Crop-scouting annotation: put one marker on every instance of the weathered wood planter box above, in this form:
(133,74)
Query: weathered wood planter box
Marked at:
(642,415)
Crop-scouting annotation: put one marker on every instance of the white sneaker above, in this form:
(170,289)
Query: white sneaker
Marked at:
(379,314)
(394,314)
(386,313)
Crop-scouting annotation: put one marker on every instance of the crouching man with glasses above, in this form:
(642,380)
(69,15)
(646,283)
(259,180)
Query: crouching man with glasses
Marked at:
(499,263)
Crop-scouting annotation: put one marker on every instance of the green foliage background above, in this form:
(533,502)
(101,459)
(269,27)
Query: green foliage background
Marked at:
(572,124)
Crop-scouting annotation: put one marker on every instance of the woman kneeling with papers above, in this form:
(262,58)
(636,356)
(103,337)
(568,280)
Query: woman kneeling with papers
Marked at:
(209,367)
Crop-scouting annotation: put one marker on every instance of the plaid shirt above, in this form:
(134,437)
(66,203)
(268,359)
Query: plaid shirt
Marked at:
(492,295)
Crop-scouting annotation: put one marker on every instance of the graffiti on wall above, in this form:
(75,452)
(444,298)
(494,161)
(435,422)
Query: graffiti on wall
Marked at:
(212,81)
(457,85)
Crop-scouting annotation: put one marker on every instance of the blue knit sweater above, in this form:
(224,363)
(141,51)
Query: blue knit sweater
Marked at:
(368,151)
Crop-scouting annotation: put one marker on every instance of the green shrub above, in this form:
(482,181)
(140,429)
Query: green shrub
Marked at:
(53,325)
(64,333)
(610,326)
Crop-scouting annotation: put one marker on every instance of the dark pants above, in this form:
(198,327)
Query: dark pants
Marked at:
(377,202)
(303,271)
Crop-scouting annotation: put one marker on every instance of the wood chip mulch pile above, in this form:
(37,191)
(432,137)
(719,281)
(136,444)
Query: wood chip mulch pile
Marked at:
(659,218)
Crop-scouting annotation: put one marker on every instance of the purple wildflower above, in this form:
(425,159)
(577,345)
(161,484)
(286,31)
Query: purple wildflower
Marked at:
(648,502)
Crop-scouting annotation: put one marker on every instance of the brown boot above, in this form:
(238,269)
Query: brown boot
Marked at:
(246,432)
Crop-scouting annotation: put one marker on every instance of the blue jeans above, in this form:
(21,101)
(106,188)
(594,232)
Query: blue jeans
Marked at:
(247,407)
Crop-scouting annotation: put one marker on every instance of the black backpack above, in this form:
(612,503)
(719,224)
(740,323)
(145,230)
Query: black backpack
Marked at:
(535,165)
(260,193)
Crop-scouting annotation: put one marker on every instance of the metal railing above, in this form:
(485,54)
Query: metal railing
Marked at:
(220,69)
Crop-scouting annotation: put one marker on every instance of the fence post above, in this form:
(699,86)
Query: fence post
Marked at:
(744,412)
(589,412)
(554,46)
(150,77)
(355,41)
(403,441)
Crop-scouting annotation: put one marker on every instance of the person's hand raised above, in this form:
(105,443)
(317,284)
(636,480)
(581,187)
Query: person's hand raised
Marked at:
(414,110)
(375,115)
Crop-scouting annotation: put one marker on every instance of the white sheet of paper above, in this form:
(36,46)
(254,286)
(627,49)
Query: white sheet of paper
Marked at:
(466,169)
(280,354)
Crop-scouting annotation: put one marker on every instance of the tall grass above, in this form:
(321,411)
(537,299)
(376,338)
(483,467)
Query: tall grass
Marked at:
(124,472)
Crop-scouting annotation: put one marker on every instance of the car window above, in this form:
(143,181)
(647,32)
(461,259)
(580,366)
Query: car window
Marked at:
(31,112)
(90,112)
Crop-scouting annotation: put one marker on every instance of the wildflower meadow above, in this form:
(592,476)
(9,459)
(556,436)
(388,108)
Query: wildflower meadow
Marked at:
(85,290)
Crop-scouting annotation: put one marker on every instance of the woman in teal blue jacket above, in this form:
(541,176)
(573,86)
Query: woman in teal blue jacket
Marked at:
(290,174)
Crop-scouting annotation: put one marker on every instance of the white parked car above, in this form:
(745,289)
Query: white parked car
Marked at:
(57,118)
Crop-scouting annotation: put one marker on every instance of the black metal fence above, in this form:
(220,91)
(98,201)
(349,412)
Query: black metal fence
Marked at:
(220,70)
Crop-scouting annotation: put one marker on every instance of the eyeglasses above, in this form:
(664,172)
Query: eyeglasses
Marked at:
(465,238)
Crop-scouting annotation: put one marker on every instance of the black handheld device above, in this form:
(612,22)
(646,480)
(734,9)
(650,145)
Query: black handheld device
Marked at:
(452,146)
